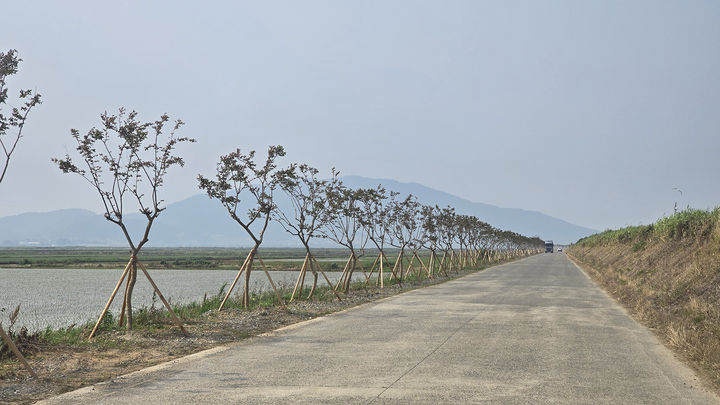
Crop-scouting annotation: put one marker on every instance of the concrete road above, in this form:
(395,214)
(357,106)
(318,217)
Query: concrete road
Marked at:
(529,332)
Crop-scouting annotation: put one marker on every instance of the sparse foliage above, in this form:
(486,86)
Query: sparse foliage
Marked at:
(308,197)
(342,223)
(12,125)
(126,161)
(239,177)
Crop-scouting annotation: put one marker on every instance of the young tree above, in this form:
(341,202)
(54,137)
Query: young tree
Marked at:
(374,217)
(477,239)
(464,224)
(11,126)
(307,194)
(342,224)
(417,236)
(402,226)
(447,223)
(238,177)
(430,217)
(126,162)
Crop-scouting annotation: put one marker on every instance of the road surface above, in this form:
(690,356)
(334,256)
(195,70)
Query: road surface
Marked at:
(528,332)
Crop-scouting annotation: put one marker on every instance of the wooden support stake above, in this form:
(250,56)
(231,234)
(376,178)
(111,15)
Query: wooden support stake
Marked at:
(407,271)
(237,277)
(355,264)
(430,265)
(277,294)
(326,278)
(157,290)
(443,264)
(417,270)
(352,264)
(344,273)
(124,303)
(372,270)
(381,276)
(421,263)
(300,276)
(402,262)
(112,297)
(15,350)
(394,274)
(314,282)
(359,263)
(122,307)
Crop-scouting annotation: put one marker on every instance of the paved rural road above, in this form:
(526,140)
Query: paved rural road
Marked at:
(533,331)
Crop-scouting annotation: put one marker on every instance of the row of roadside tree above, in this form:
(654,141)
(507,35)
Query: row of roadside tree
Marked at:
(126,160)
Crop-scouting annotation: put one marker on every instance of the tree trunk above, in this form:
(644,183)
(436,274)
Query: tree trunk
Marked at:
(246,286)
(246,291)
(312,269)
(352,269)
(128,296)
(315,278)
(381,276)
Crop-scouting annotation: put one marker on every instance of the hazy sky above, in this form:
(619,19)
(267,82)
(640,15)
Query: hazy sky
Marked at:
(590,111)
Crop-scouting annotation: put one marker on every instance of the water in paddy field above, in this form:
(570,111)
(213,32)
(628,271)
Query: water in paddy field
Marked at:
(62,297)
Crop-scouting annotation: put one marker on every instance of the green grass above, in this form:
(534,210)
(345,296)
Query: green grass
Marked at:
(689,223)
(155,317)
(332,259)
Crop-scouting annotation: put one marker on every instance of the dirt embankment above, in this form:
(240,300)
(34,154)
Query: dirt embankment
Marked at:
(668,276)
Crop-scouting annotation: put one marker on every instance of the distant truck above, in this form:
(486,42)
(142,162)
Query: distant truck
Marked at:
(549,246)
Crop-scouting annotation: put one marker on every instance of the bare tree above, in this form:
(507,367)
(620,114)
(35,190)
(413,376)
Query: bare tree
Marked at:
(342,225)
(375,218)
(307,194)
(402,226)
(11,126)
(477,239)
(238,177)
(430,217)
(126,162)
(447,223)
(464,224)
(417,235)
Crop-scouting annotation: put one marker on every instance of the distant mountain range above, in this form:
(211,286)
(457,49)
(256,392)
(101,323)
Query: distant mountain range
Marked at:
(199,221)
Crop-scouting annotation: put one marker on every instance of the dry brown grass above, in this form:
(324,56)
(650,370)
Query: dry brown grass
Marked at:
(671,285)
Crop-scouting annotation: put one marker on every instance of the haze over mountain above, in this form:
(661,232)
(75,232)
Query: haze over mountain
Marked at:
(199,221)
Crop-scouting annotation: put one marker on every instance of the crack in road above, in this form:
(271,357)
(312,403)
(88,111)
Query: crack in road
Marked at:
(424,358)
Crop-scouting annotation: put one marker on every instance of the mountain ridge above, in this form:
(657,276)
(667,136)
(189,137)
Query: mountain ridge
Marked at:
(200,221)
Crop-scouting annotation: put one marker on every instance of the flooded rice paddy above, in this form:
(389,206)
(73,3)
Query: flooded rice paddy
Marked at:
(62,297)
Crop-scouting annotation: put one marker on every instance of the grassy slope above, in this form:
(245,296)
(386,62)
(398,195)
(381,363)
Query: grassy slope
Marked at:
(668,275)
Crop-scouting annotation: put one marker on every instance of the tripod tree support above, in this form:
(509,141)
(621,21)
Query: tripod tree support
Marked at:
(15,350)
(326,278)
(157,290)
(277,294)
(299,284)
(237,277)
(135,261)
(110,300)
